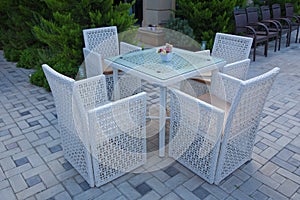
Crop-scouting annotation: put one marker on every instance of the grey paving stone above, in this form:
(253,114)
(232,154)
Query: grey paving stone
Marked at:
(18,183)
(193,183)
(184,193)
(48,178)
(94,193)
(7,163)
(269,168)
(288,188)
(250,186)
(215,190)
(176,180)
(31,191)
(201,192)
(72,187)
(33,180)
(143,188)
(62,196)
(52,192)
(158,186)
(283,164)
(7,193)
(273,194)
(231,184)
(84,185)
(126,189)
(171,171)
(257,195)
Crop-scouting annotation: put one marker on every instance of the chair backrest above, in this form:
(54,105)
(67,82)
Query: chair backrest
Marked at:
(231,48)
(195,134)
(265,13)
(240,19)
(127,48)
(237,69)
(252,15)
(289,10)
(276,10)
(93,63)
(62,91)
(247,105)
(102,40)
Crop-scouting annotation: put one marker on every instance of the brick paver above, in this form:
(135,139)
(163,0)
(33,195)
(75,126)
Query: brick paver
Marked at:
(32,164)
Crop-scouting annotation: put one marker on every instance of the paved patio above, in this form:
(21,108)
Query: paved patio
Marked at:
(32,165)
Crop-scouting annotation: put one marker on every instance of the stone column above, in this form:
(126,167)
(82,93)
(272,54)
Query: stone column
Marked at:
(156,12)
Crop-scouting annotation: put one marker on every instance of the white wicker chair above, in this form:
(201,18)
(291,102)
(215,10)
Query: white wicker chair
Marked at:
(242,102)
(195,134)
(237,69)
(231,48)
(101,140)
(243,119)
(105,42)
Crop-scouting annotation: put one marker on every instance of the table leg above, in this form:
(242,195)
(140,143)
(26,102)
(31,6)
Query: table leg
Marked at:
(116,91)
(162,120)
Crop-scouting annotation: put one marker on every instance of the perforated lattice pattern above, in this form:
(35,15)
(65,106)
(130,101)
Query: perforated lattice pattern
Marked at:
(237,69)
(231,48)
(242,122)
(195,131)
(119,143)
(102,40)
(72,142)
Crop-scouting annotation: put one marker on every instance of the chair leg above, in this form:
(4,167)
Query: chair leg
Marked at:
(276,38)
(266,48)
(254,51)
(279,41)
(297,34)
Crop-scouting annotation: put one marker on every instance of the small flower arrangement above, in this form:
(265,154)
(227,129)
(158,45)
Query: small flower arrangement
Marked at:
(165,50)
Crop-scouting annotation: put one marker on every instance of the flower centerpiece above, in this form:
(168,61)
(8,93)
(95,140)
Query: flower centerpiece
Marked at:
(166,52)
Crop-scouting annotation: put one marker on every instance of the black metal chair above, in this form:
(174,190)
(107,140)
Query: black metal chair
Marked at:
(284,26)
(242,28)
(252,19)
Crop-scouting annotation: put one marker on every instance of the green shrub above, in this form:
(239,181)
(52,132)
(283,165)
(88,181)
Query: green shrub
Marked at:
(28,58)
(180,34)
(208,17)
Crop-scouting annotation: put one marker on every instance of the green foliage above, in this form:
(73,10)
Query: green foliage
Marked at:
(17,19)
(50,31)
(180,34)
(28,58)
(62,34)
(208,17)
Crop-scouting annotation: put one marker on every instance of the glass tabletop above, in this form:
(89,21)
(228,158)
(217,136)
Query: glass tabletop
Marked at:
(149,62)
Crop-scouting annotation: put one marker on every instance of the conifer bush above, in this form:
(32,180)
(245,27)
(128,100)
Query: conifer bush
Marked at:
(50,31)
(208,17)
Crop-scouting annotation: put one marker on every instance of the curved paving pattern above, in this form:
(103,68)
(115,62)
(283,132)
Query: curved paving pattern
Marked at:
(32,164)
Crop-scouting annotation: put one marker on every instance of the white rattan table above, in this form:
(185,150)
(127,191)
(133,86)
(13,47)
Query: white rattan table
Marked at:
(148,65)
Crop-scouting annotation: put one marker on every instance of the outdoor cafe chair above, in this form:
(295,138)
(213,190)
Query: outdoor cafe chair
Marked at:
(289,13)
(102,140)
(283,25)
(237,69)
(294,26)
(128,84)
(242,28)
(273,27)
(229,47)
(210,145)
(105,41)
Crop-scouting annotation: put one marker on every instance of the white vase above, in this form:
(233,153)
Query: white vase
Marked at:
(166,57)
